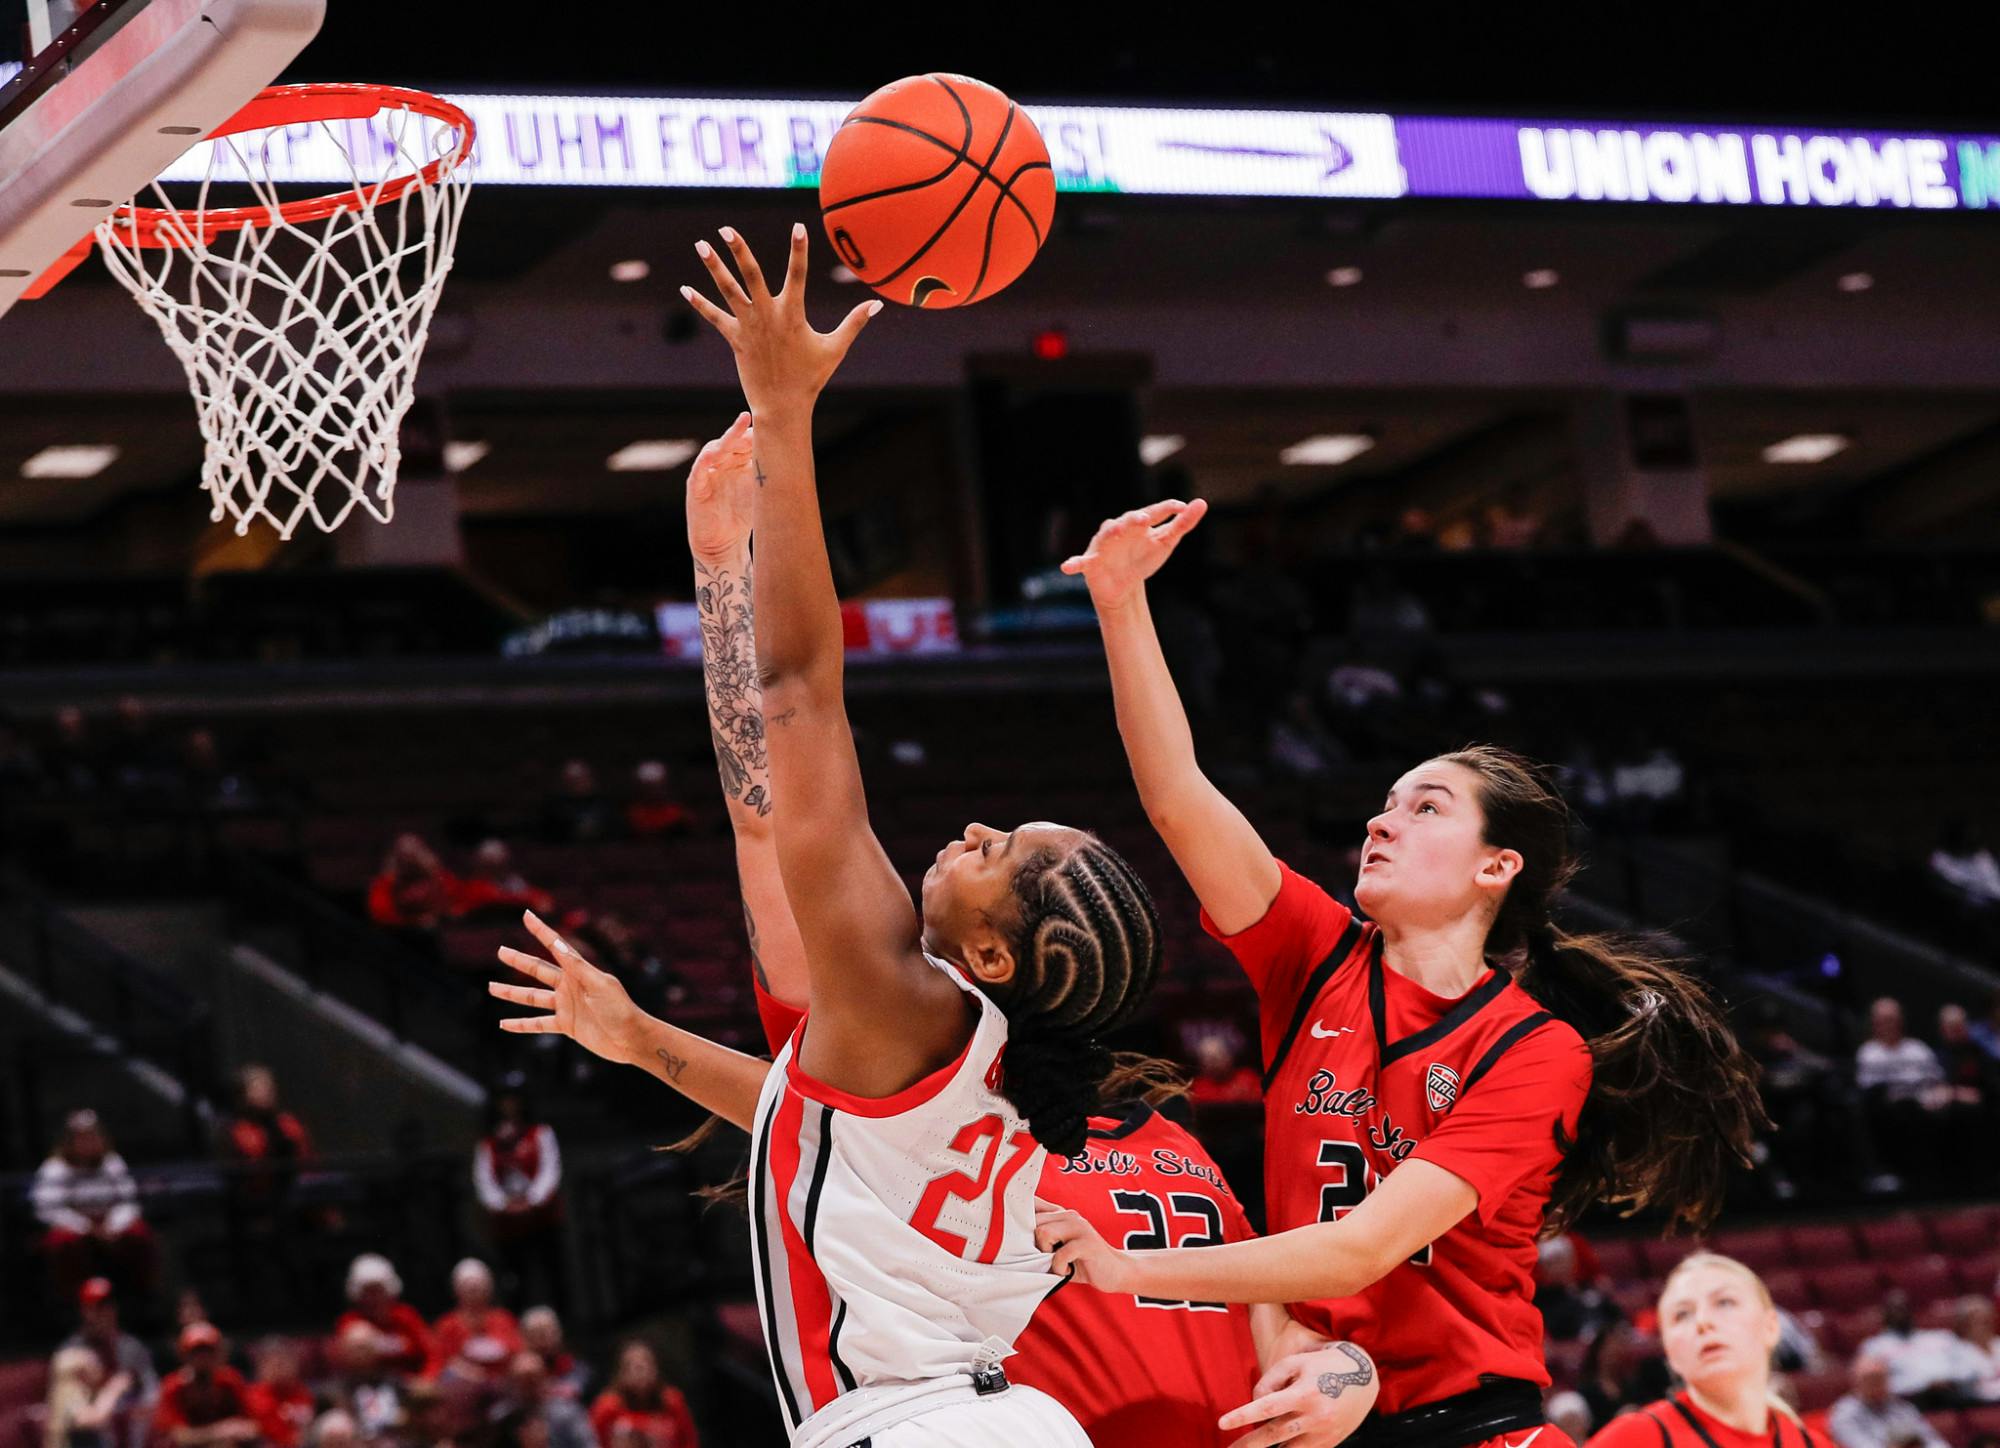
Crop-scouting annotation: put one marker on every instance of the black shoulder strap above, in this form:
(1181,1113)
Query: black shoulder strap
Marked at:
(1315,983)
(1508,1038)
(1695,1423)
(1666,1438)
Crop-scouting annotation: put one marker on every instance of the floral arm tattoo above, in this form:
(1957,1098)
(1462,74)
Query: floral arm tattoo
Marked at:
(729,676)
(1333,1384)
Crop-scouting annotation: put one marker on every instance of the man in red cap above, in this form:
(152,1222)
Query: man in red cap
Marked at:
(120,1352)
(206,1403)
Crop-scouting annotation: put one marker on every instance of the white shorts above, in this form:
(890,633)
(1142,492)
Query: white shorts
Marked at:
(942,1414)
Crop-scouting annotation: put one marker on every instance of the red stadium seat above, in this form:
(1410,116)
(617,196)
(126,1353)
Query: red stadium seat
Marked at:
(1975,1230)
(1978,1274)
(1950,1427)
(1927,1279)
(1982,1423)
(1790,1288)
(1663,1254)
(1849,1286)
(1819,1390)
(1619,1257)
(1892,1239)
(1845,1331)
(23,1382)
(1823,1246)
(1759,1250)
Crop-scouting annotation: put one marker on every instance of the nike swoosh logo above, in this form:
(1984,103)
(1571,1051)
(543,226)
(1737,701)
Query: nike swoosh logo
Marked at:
(1324,1035)
(1525,1441)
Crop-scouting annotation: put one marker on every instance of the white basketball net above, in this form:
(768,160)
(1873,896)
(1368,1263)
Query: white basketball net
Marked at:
(302,363)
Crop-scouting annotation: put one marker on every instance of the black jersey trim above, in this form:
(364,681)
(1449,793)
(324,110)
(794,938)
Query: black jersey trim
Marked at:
(1136,1116)
(1315,983)
(761,1168)
(1666,1435)
(820,1161)
(1508,1038)
(1708,1438)
(1468,1006)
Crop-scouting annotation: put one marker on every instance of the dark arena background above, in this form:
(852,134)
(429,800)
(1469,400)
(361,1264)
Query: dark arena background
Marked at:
(1634,405)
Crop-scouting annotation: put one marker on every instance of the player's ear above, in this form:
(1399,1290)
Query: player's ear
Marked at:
(987,958)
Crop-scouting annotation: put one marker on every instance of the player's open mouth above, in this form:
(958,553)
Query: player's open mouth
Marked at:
(1374,857)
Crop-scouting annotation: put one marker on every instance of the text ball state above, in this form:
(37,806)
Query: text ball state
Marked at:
(937,191)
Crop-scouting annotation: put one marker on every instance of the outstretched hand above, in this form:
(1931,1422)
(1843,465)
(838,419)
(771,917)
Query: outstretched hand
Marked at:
(1077,1250)
(780,360)
(1129,549)
(584,1003)
(1311,1399)
(721,492)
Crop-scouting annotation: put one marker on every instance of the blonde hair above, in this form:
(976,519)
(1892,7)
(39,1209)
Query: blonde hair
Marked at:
(1694,1262)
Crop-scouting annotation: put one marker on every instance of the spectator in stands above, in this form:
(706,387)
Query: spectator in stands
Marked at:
(1648,785)
(88,1206)
(469,1386)
(279,1399)
(1572,1309)
(1819,1136)
(580,813)
(1616,1376)
(476,1315)
(120,1354)
(71,761)
(517,1173)
(567,1377)
(1987,1032)
(334,1428)
(136,759)
(413,891)
(639,1405)
(84,1401)
(1221,1077)
(210,783)
(1568,1413)
(1972,1077)
(531,1398)
(494,886)
(1965,865)
(653,809)
(206,1401)
(1923,1366)
(1300,746)
(1903,1089)
(1870,1416)
(1978,1354)
(262,1143)
(362,1385)
(375,1292)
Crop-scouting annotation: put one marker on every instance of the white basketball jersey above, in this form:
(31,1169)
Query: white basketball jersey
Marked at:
(894,1237)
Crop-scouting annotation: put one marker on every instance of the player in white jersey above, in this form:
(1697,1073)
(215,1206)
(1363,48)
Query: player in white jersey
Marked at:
(898,1138)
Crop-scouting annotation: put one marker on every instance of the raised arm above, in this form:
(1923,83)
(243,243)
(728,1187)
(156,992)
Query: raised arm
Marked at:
(1416,1204)
(1224,859)
(590,1007)
(721,492)
(882,1017)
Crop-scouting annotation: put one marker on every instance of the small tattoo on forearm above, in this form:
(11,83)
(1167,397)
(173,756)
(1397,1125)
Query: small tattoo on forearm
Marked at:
(756,960)
(674,1064)
(758,463)
(1333,1384)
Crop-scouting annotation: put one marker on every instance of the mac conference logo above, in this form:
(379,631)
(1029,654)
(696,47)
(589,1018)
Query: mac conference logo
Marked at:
(1441,1085)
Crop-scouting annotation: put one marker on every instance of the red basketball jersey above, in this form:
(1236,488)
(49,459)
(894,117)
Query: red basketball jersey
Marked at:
(1365,1069)
(1135,1373)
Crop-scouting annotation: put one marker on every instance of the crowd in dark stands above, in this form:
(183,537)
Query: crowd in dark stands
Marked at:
(382,1376)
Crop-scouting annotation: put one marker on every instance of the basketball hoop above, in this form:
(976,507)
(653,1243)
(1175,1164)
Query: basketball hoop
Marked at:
(300,323)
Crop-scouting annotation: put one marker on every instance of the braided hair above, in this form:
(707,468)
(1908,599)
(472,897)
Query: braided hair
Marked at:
(1086,945)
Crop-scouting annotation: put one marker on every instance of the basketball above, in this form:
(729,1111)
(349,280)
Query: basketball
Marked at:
(937,191)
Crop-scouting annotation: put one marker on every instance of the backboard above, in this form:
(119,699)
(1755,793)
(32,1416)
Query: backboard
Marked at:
(98,97)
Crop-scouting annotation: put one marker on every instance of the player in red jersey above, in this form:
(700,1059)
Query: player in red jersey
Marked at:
(1442,1082)
(1136,1373)
(1719,1328)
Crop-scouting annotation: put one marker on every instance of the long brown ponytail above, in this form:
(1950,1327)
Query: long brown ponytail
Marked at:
(1673,1105)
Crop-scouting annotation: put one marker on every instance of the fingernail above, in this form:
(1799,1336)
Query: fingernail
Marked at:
(874,309)
(798,231)
(728,234)
(703,249)
(688,292)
